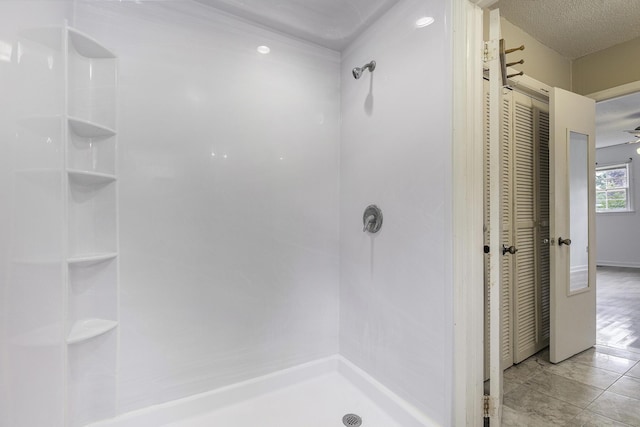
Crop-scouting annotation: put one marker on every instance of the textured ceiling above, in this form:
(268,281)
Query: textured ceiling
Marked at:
(330,23)
(615,116)
(575,28)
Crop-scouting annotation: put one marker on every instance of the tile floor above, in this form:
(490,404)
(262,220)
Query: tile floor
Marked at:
(598,387)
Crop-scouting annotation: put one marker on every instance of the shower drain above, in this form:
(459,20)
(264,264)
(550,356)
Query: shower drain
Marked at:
(352,420)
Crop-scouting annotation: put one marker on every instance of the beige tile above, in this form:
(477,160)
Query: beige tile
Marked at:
(627,354)
(565,389)
(590,419)
(585,374)
(523,371)
(509,386)
(513,418)
(626,386)
(592,357)
(543,356)
(619,408)
(539,408)
(634,372)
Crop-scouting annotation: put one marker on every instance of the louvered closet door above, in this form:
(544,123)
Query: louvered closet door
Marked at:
(486,222)
(541,128)
(524,189)
(506,268)
(527,290)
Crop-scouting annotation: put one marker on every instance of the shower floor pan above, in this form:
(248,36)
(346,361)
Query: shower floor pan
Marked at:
(316,394)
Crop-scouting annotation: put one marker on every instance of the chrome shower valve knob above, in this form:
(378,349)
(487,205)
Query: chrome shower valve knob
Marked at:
(372,219)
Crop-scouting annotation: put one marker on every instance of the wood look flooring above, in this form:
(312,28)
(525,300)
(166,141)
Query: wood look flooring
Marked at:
(598,387)
(618,304)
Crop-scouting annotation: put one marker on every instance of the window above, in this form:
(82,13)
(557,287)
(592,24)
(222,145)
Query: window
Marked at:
(612,188)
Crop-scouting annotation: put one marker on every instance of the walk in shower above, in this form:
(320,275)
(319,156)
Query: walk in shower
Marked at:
(181,229)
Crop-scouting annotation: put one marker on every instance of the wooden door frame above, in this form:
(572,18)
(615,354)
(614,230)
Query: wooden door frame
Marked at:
(467,209)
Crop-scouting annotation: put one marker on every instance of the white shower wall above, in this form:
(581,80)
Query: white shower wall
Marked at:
(242,181)
(395,287)
(31,207)
(229,166)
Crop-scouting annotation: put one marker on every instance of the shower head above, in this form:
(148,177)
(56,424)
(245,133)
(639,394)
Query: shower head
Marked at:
(357,72)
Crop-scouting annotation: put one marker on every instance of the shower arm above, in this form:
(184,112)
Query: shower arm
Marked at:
(371,66)
(357,72)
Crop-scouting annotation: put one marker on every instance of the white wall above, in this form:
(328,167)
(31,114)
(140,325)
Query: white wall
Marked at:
(395,294)
(541,62)
(228,263)
(31,244)
(618,234)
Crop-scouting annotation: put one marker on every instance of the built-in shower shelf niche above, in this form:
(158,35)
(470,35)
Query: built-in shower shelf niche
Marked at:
(86,260)
(93,291)
(89,178)
(87,129)
(92,228)
(91,148)
(87,46)
(91,80)
(92,215)
(91,378)
(86,329)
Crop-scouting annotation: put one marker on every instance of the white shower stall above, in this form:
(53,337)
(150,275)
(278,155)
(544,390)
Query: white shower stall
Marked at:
(183,214)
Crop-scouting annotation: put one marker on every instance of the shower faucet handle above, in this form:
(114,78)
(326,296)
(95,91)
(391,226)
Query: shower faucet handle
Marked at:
(372,219)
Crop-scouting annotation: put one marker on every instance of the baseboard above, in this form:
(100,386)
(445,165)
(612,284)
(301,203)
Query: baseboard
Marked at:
(618,264)
(579,269)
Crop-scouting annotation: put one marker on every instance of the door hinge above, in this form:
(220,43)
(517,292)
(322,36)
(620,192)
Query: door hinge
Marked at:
(491,50)
(488,406)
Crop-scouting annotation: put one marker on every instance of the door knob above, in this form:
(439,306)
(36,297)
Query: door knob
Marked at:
(511,249)
(562,241)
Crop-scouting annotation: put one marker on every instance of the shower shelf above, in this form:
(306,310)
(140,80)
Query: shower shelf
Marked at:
(91,259)
(91,224)
(86,329)
(88,46)
(89,178)
(87,129)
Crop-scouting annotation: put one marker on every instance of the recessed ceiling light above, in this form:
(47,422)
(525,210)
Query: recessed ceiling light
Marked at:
(638,150)
(424,21)
(263,49)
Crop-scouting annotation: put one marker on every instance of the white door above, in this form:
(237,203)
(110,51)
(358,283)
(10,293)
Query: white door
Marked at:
(572,222)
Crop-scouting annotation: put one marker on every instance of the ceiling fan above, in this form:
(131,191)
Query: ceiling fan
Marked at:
(636,133)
